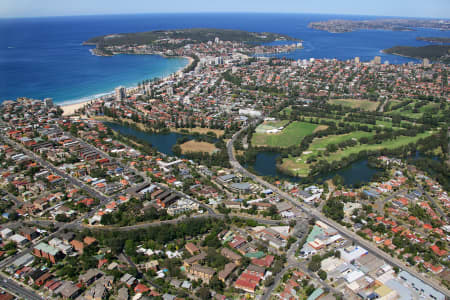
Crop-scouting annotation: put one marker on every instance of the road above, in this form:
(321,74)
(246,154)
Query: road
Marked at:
(291,263)
(352,236)
(173,221)
(432,200)
(59,172)
(381,202)
(16,200)
(381,109)
(18,290)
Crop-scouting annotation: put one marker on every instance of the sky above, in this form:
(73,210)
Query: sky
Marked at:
(403,8)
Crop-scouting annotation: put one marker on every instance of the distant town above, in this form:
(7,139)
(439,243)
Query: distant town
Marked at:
(98,203)
(400,24)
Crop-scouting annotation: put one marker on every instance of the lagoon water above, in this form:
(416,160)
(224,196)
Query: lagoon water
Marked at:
(44,57)
(265,164)
(163,142)
(356,173)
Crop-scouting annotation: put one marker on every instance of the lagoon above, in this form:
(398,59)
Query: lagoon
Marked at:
(356,173)
(163,142)
(265,165)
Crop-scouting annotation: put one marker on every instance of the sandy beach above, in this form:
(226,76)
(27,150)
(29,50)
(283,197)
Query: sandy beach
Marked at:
(70,108)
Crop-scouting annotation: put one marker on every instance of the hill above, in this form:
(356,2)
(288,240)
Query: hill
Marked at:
(184,36)
(432,52)
(440,40)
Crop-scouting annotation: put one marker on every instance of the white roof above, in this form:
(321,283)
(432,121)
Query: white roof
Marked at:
(354,275)
(17,238)
(331,263)
(284,230)
(333,239)
(352,253)
(5,231)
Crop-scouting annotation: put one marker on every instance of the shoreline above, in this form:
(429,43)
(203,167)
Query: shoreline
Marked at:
(401,55)
(70,107)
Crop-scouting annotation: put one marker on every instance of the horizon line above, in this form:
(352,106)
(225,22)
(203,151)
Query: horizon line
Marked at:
(218,12)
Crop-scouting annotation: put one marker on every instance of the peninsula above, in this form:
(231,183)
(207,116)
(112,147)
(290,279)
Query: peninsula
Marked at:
(439,40)
(158,191)
(431,52)
(167,41)
(340,26)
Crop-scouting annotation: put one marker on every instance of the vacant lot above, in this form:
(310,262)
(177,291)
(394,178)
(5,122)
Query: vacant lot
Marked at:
(195,146)
(356,103)
(293,134)
(218,132)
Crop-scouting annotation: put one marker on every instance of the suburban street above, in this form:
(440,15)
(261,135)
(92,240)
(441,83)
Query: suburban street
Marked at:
(432,200)
(17,289)
(319,216)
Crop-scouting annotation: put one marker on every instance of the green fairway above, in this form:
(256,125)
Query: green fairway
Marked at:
(291,135)
(356,103)
(409,111)
(322,143)
(299,165)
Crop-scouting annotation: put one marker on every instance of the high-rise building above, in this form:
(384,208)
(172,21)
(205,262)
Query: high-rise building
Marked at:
(377,60)
(170,91)
(426,62)
(357,60)
(120,93)
(219,60)
(48,102)
(148,89)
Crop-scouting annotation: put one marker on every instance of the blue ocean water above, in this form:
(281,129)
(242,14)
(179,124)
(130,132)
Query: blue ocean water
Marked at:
(43,57)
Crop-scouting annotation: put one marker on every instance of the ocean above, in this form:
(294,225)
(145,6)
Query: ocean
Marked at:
(44,57)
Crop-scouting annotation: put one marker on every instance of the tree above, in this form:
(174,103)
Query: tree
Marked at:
(334,209)
(338,180)
(62,218)
(129,248)
(272,210)
(203,293)
(269,281)
(216,284)
(315,263)
(322,274)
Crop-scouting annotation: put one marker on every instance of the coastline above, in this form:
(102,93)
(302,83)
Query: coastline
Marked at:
(70,107)
(397,54)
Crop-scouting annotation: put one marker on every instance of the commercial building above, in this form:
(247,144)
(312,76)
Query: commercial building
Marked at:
(120,93)
(48,102)
(46,251)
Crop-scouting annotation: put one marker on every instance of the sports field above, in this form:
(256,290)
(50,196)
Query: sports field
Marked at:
(291,135)
(269,125)
(356,103)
